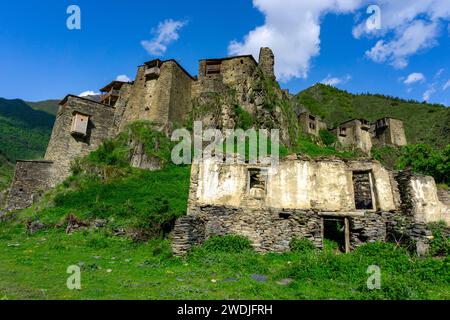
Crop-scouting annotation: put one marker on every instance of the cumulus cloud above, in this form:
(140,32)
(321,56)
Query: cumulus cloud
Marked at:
(413,78)
(427,94)
(446,85)
(407,27)
(123,78)
(166,33)
(88,93)
(334,81)
(408,40)
(292,30)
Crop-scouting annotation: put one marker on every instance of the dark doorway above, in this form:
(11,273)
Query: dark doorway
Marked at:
(334,230)
(363,191)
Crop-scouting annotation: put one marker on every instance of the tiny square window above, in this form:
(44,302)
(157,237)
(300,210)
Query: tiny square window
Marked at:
(257,179)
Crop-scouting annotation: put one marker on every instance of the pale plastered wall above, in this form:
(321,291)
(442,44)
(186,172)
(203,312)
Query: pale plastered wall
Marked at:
(301,184)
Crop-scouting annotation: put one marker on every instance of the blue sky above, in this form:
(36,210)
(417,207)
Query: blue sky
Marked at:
(314,41)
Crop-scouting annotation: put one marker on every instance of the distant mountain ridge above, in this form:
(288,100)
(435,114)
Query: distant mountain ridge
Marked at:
(49,106)
(24,131)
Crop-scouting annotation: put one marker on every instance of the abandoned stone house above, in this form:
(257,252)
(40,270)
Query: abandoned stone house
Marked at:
(311,124)
(299,198)
(307,199)
(358,133)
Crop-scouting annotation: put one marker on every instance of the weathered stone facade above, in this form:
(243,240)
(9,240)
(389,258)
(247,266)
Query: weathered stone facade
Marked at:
(161,93)
(388,131)
(65,146)
(355,133)
(299,195)
(311,124)
(31,180)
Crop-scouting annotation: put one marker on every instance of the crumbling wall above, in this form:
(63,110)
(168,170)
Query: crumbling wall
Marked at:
(164,99)
(180,103)
(120,107)
(31,180)
(270,229)
(267,229)
(142,100)
(304,184)
(64,147)
(355,136)
(420,198)
(267,63)
(370,227)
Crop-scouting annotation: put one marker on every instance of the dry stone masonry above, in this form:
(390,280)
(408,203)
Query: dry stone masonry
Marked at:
(300,196)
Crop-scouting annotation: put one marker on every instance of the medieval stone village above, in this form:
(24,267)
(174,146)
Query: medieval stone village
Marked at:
(302,198)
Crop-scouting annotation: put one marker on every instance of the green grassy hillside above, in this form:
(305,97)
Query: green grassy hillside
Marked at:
(48,106)
(424,123)
(6,172)
(24,132)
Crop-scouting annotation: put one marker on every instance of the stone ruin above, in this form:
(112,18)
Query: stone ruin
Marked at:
(307,199)
(299,199)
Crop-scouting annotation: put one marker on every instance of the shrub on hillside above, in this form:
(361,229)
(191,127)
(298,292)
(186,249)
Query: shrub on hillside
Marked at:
(440,245)
(229,244)
(424,159)
(327,137)
(301,245)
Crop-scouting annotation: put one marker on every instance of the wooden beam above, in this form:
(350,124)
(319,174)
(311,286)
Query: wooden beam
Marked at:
(347,235)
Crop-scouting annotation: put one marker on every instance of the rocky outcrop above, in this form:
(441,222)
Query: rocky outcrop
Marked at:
(140,159)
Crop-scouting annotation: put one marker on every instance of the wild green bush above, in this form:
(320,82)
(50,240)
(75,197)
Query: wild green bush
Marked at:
(440,245)
(228,243)
(244,119)
(301,245)
(424,159)
(327,137)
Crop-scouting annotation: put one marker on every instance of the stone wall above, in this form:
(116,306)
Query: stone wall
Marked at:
(311,124)
(352,133)
(164,99)
(267,63)
(270,229)
(296,196)
(420,198)
(64,147)
(392,133)
(31,180)
(297,183)
(120,107)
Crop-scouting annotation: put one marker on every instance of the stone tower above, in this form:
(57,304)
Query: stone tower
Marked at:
(267,62)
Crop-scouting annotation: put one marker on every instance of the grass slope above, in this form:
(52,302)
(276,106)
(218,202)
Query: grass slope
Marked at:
(6,172)
(424,123)
(34,267)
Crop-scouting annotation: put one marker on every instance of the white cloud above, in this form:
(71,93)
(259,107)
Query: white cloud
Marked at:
(407,27)
(88,93)
(414,77)
(427,94)
(123,78)
(165,34)
(439,73)
(417,36)
(292,30)
(334,81)
(446,85)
